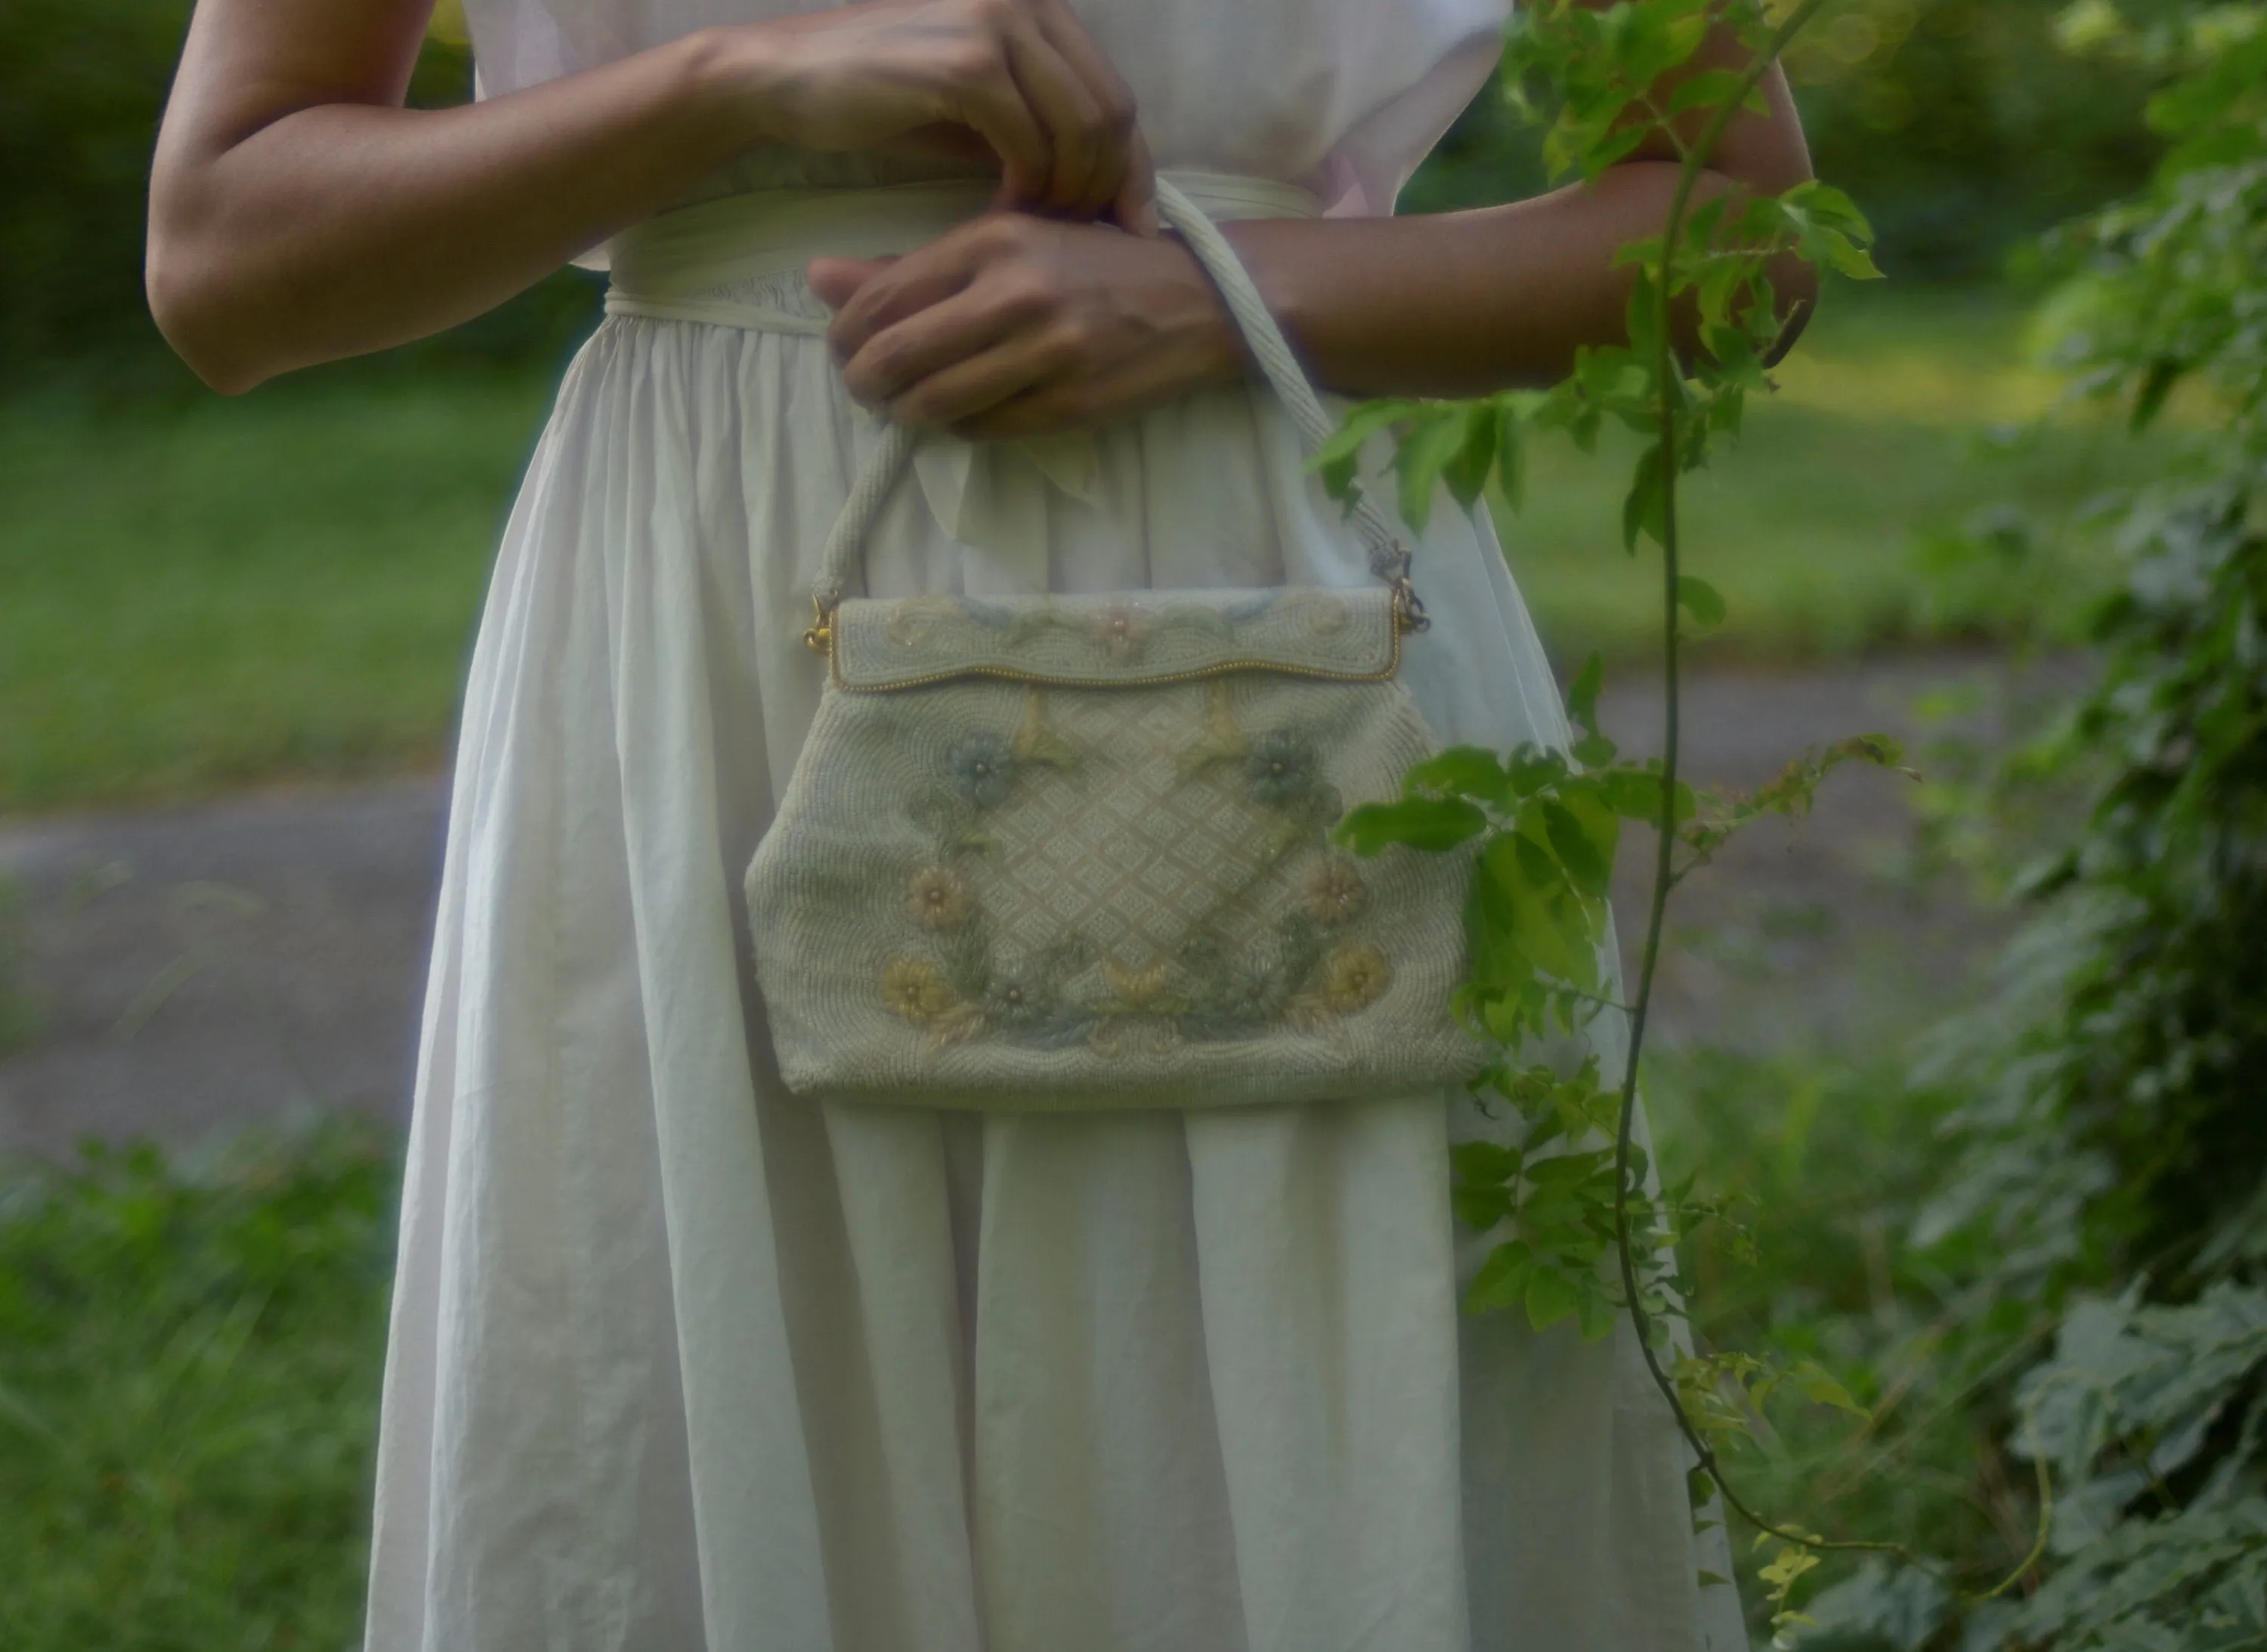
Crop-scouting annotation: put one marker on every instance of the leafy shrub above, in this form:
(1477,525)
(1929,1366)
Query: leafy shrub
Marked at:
(2111,1179)
(2096,1194)
(1960,126)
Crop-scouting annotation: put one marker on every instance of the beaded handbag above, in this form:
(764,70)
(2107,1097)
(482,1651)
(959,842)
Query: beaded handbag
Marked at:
(1055,852)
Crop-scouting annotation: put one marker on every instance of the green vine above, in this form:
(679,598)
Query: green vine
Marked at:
(1588,1234)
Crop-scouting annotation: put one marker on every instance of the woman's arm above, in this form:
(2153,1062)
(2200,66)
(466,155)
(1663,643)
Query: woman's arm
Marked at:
(298,213)
(1012,325)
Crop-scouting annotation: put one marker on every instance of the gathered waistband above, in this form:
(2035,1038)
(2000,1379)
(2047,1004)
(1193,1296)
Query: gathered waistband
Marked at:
(738,261)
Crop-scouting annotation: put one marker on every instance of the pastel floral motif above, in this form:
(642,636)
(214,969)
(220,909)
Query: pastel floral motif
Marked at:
(913,989)
(1037,742)
(1332,893)
(1251,996)
(912,620)
(938,897)
(1137,989)
(1280,768)
(1015,1003)
(1354,978)
(983,770)
(1122,629)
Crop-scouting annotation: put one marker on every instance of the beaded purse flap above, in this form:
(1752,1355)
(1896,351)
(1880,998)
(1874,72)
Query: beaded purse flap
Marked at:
(1132,640)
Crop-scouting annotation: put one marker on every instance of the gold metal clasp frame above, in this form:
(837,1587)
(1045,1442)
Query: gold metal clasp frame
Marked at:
(1408,612)
(820,637)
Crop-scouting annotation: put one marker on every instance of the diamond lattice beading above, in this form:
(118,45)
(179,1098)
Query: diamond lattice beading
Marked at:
(1131,850)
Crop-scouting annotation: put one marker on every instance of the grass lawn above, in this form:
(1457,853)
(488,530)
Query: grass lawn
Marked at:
(1900,421)
(190,1365)
(190,1352)
(283,586)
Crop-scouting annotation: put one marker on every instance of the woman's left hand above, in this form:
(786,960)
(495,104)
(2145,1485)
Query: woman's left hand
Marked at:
(1012,326)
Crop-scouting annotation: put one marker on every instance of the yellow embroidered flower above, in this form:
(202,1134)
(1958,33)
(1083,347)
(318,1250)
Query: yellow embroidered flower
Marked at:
(1332,893)
(938,897)
(1136,989)
(1354,977)
(912,988)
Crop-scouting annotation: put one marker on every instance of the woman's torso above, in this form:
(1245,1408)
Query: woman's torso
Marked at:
(1342,97)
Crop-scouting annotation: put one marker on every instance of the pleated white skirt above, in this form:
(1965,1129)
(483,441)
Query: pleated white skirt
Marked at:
(680,1360)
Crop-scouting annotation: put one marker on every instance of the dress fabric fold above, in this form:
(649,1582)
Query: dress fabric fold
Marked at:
(680,1360)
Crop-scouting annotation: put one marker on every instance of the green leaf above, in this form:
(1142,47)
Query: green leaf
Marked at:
(1641,317)
(1424,453)
(1549,925)
(1510,453)
(1824,203)
(1594,1310)
(1604,152)
(1534,768)
(2156,384)
(1817,1385)
(1431,823)
(1583,692)
(1339,460)
(1594,751)
(1483,1162)
(1634,793)
(1466,472)
(1715,289)
(1848,258)
(1551,1298)
(1480,1209)
(1465,771)
(1577,847)
(1502,1279)
(1708,90)
(1645,511)
(1600,824)
(1495,963)
(1700,599)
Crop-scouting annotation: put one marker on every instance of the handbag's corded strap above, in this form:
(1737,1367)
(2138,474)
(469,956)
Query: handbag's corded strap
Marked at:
(1389,559)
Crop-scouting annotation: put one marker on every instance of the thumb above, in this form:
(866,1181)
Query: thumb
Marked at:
(837,279)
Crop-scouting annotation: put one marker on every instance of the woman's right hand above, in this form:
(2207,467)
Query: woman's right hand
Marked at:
(1018,79)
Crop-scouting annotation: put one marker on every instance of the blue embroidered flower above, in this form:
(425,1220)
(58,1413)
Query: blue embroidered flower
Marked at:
(1280,768)
(1251,994)
(983,770)
(1015,1001)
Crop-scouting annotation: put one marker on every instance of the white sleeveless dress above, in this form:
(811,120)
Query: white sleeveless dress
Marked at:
(680,1362)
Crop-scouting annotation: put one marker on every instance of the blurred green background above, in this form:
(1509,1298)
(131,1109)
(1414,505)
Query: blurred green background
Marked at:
(156,535)
(201,594)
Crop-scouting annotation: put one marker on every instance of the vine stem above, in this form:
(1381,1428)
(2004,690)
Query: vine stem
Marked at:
(1671,381)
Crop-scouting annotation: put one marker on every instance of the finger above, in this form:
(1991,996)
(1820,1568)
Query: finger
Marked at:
(1068,111)
(925,276)
(1113,99)
(932,341)
(836,281)
(950,396)
(1059,401)
(1136,206)
(993,107)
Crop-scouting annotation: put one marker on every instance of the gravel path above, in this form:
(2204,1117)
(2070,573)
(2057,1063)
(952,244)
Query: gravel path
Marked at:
(191,968)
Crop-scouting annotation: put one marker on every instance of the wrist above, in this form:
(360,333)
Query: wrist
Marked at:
(1212,342)
(734,74)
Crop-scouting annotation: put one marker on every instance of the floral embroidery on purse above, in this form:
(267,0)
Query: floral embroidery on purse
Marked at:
(1049,851)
